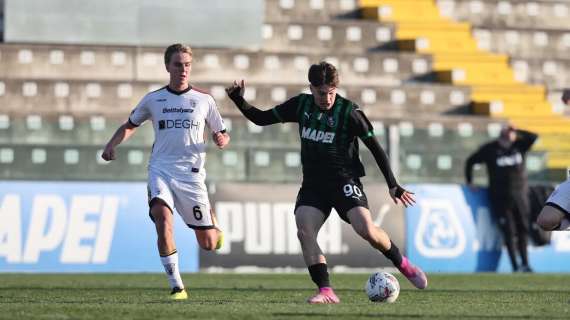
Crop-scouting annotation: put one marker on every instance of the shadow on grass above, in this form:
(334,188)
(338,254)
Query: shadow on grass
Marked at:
(404,315)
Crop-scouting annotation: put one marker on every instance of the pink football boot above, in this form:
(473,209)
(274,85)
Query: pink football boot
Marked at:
(416,276)
(325,295)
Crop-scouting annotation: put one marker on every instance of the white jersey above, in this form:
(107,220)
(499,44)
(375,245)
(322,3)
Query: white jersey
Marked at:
(178,119)
(560,197)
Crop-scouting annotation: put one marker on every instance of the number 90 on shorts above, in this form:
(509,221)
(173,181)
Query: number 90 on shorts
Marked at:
(352,191)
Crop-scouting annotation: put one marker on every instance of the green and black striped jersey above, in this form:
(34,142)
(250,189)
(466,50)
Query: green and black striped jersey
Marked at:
(329,139)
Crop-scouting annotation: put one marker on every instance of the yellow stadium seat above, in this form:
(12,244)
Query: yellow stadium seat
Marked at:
(512,108)
(457,59)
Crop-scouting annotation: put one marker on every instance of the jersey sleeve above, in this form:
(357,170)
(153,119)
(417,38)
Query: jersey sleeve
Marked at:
(213,117)
(288,110)
(140,113)
(359,125)
(479,156)
(525,140)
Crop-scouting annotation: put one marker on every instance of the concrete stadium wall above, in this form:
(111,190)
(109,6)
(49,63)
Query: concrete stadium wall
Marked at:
(135,22)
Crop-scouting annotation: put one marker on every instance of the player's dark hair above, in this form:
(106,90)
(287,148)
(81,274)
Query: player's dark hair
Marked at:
(323,73)
(172,49)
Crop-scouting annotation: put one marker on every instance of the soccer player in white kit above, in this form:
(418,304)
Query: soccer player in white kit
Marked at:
(556,212)
(176,174)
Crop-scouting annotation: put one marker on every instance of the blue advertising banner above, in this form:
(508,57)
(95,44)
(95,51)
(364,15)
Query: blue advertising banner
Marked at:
(83,227)
(451,229)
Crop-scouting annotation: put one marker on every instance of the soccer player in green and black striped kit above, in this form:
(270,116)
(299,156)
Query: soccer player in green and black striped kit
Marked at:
(329,126)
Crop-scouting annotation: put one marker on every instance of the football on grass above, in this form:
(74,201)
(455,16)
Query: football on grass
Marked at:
(382,287)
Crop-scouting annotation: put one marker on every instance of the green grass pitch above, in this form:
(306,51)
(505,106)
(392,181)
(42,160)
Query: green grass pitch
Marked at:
(279,296)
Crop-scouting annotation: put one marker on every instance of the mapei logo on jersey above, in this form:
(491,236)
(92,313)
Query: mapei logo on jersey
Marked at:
(177,110)
(178,124)
(440,234)
(317,135)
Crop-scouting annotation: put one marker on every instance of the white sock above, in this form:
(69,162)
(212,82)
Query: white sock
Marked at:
(170,264)
(564,225)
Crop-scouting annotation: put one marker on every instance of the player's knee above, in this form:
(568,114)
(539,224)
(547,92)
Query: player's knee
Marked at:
(546,221)
(162,222)
(368,234)
(159,219)
(301,235)
(366,231)
(304,235)
(160,216)
(361,230)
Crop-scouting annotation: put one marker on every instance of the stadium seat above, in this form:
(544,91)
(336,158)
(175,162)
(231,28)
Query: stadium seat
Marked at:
(39,61)
(525,43)
(52,162)
(421,79)
(509,13)
(108,98)
(227,165)
(288,10)
(303,36)
(553,73)
(277,163)
(55,129)
(212,65)
(459,57)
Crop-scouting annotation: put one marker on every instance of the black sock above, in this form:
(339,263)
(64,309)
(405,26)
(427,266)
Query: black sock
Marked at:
(320,275)
(511,251)
(393,254)
(523,250)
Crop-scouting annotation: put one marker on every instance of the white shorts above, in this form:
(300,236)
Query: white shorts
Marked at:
(560,197)
(190,199)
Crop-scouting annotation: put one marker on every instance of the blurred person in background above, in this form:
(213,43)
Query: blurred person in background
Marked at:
(176,174)
(508,188)
(556,212)
(329,128)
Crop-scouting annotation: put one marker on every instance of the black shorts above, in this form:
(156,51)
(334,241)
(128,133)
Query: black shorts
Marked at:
(342,195)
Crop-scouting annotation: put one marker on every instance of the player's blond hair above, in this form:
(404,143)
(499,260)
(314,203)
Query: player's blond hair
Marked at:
(172,49)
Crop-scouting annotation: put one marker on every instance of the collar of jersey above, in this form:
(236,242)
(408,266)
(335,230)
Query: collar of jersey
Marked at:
(179,92)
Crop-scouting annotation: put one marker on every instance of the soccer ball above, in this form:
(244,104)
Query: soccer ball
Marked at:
(382,287)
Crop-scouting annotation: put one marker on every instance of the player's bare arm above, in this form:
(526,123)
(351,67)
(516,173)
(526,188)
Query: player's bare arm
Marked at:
(124,132)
